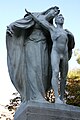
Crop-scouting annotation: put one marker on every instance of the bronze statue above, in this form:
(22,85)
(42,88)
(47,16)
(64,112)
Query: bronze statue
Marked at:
(37,52)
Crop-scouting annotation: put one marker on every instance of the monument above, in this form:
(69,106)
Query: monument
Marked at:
(37,54)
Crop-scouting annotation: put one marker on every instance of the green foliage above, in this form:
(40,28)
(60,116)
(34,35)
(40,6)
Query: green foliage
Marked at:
(73,88)
(73,92)
(74,74)
(78,59)
(77,54)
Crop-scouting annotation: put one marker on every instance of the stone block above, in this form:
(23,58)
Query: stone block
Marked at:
(47,111)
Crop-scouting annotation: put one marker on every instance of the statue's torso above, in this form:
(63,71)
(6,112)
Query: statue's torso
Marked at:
(37,34)
(60,41)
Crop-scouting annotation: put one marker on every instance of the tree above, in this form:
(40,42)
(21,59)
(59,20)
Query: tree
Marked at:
(73,88)
(14,103)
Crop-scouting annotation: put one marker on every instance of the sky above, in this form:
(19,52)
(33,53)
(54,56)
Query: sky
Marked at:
(14,10)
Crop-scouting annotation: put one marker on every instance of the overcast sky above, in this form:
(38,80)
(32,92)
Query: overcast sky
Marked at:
(11,10)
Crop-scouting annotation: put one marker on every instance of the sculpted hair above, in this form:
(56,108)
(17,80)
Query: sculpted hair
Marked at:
(48,10)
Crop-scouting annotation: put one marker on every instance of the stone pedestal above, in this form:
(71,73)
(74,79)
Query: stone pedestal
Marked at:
(47,111)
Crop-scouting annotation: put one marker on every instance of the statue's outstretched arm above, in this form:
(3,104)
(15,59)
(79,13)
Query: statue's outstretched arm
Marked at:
(42,21)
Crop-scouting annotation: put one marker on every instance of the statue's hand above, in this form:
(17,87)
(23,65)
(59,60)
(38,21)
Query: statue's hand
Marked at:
(9,31)
(28,12)
(56,10)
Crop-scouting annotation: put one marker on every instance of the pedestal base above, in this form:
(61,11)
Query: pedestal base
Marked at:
(47,111)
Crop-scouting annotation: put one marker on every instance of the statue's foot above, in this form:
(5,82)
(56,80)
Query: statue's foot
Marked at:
(62,99)
(57,100)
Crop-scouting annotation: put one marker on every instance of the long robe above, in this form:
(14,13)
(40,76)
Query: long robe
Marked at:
(28,58)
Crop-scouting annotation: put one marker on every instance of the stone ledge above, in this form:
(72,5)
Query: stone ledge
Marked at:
(47,111)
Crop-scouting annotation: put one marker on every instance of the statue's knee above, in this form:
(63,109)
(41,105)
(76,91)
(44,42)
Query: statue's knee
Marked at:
(55,72)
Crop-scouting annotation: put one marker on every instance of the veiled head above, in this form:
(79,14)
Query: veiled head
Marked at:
(53,10)
(51,13)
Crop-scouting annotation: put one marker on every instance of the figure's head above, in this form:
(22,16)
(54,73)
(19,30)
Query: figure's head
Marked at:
(59,19)
(52,12)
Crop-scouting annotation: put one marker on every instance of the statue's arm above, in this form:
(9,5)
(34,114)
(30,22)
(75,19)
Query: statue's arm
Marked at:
(42,21)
